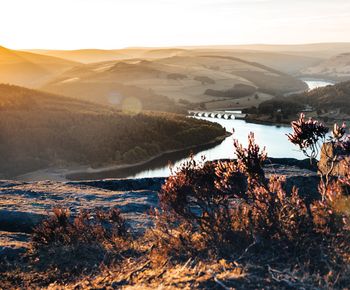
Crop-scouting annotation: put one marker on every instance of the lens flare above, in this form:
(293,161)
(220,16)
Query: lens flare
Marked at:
(131,106)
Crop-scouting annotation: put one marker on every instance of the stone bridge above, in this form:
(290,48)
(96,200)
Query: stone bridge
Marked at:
(218,114)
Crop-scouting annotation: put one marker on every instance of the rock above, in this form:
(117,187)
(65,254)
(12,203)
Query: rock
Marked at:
(304,179)
(330,151)
(19,221)
(301,164)
(24,205)
(124,184)
(13,244)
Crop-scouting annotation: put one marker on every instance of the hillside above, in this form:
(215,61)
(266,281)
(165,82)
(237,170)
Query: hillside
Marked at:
(29,69)
(319,50)
(100,55)
(91,55)
(312,50)
(335,68)
(331,99)
(181,78)
(286,61)
(40,130)
(329,104)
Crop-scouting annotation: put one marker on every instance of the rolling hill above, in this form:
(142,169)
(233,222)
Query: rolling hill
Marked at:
(318,50)
(331,100)
(329,104)
(91,55)
(290,61)
(284,62)
(40,130)
(336,68)
(29,69)
(180,77)
(100,55)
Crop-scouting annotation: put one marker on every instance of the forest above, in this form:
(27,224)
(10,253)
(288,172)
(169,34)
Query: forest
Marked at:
(330,97)
(40,130)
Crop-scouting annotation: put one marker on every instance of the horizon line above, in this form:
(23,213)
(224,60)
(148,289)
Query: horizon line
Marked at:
(183,46)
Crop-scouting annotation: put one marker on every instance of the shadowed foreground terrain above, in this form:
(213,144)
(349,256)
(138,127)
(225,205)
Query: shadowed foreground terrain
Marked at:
(128,247)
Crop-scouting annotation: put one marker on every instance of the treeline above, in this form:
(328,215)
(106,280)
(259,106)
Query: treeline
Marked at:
(238,91)
(278,109)
(323,100)
(329,97)
(38,130)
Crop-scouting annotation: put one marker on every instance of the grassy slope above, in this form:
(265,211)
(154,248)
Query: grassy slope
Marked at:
(40,130)
(176,77)
(330,103)
(335,97)
(91,55)
(29,69)
(336,68)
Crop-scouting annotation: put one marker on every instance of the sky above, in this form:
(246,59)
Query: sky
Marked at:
(108,24)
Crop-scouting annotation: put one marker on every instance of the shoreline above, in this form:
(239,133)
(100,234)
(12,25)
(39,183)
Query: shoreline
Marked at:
(267,122)
(287,123)
(62,174)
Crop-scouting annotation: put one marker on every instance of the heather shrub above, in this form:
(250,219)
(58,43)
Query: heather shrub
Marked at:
(87,227)
(194,213)
(226,205)
(308,134)
(227,209)
(76,243)
(195,209)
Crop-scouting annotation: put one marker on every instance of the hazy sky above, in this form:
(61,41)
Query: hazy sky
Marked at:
(70,24)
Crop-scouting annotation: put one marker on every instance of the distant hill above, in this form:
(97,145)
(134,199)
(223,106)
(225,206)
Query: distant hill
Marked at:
(91,55)
(284,62)
(29,69)
(100,55)
(179,77)
(317,50)
(335,68)
(331,98)
(329,104)
(39,130)
(289,62)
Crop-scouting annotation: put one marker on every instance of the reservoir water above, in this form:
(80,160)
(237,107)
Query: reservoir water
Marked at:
(313,83)
(271,136)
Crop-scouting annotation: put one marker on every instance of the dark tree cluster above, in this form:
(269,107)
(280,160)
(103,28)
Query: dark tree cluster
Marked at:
(39,130)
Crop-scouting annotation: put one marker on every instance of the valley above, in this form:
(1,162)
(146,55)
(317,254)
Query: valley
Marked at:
(162,144)
(97,90)
(40,130)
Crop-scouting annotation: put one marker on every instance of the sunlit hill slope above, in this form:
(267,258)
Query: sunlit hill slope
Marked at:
(29,69)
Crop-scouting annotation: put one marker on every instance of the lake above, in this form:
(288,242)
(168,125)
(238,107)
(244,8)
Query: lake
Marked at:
(314,83)
(272,137)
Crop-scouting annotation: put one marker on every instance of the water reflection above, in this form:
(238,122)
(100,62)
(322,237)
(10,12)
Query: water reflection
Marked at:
(273,137)
(313,83)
